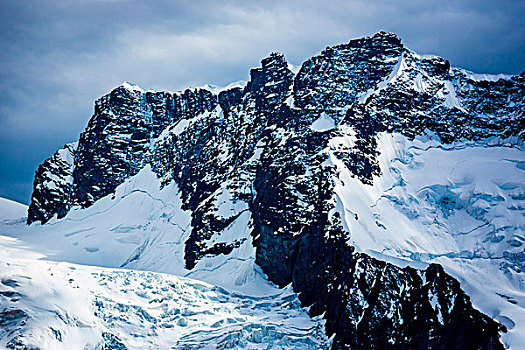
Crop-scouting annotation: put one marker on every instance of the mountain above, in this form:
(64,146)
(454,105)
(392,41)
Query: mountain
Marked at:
(386,187)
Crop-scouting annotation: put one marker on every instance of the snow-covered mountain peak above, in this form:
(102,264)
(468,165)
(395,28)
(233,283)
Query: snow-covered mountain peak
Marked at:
(350,178)
(131,87)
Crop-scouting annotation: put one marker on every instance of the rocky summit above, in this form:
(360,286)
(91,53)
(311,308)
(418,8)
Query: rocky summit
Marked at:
(318,175)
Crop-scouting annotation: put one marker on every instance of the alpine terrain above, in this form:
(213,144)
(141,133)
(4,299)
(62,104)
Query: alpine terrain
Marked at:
(372,198)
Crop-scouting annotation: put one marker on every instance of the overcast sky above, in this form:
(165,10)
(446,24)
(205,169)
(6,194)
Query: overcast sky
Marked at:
(58,56)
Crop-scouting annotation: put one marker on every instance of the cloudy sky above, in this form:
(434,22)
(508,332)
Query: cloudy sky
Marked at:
(58,56)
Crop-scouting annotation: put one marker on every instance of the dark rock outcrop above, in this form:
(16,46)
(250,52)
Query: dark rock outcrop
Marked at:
(52,186)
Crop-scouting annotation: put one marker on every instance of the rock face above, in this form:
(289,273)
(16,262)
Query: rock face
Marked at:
(53,186)
(117,138)
(263,147)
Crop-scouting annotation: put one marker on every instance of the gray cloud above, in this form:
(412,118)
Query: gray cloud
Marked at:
(58,56)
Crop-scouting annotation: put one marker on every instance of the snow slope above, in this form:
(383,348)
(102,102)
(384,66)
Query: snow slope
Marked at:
(11,210)
(50,300)
(460,205)
(143,227)
(56,305)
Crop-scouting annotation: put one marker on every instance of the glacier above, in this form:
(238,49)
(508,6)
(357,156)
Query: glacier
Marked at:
(52,304)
